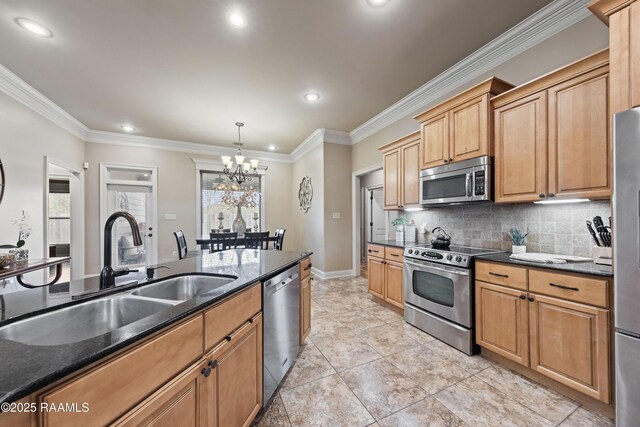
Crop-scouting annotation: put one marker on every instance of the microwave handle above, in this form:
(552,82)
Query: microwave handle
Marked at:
(467,185)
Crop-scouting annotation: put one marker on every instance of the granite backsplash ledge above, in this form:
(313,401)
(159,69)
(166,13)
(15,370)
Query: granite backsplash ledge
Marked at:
(557,229)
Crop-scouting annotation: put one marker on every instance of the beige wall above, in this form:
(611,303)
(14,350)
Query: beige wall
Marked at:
(580,40)
(26,138)
(309,226)
(337,199)
(176,195)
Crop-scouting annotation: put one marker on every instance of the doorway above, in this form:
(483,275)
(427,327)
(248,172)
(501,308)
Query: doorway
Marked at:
(132,189)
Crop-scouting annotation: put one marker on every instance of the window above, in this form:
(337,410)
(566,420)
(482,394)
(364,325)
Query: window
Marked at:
(59,213)
(211,203)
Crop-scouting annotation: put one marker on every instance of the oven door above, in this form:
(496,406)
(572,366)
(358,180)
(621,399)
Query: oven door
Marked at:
(449,187)
(441,290)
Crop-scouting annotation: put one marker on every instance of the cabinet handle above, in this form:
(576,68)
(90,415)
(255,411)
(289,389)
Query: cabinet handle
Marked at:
(523,296)
(541,195)
(309,266)
(497,274)
(394,254)
(531,299)
(569,288)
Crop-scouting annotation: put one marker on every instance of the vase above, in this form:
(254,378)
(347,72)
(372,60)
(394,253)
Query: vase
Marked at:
(518,249)
(239,225)
(399,233)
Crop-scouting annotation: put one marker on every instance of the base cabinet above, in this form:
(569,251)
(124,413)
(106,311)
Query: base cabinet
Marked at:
(393,273)
(376,277)
(305,299)
(385,275)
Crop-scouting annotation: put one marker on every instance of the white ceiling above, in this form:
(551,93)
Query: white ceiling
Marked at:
(175,69)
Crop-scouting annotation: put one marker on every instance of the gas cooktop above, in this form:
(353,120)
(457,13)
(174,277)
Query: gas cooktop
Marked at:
(460,256)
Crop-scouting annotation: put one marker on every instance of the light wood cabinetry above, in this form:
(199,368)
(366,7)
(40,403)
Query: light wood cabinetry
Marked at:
(557,325)
(623,19)
(552,135)
(461,127)
(385,274)
(170,380)
(305,299)
(401,162)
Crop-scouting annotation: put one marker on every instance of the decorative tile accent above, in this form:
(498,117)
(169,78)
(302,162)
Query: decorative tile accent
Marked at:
(427,412)
(545,402)
(382,388)
(325,402)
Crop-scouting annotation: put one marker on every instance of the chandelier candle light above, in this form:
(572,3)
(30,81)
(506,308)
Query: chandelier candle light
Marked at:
(241,171)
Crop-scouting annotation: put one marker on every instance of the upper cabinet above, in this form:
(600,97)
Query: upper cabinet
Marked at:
(460,128)
(552,135)
(401,161)
(623,19)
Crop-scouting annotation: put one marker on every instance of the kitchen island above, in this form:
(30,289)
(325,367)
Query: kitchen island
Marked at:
(143,355)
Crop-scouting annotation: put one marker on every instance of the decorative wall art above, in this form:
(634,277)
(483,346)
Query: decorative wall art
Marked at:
(2,181)
(305,194)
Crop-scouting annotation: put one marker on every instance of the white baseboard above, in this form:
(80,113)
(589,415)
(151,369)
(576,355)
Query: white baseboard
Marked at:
(331,274)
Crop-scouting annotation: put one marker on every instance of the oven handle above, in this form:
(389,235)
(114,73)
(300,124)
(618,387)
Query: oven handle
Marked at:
(459,271)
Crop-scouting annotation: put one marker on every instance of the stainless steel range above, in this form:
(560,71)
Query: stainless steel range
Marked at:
(438,293)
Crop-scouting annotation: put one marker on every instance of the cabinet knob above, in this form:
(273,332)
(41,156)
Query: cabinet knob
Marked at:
(523,296)
(206,372)
(531,299)
(450,159)
(446,161)
(551,195)
(228,338)
(213,363)
(541,195)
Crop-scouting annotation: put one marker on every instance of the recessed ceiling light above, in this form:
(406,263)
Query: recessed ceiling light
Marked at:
(127,128)
(236,19)
(377,3)
(312,97)
(272,147)
(34,27)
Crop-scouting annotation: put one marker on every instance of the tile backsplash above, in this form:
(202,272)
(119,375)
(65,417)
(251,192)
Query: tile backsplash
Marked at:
(557,229)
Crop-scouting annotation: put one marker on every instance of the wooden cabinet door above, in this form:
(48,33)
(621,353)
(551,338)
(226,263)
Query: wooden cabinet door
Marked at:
(521,150)
(239,377)
(176,404)
(305,308)
(502,321)
(393,279)
(634,53)
(624,54)
(391,161)
(470,130)
(570,343)
(579,146)
(435,141)
(376,277)
(410,183)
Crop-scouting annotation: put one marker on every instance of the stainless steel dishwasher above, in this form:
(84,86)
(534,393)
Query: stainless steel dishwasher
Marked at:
(281,337)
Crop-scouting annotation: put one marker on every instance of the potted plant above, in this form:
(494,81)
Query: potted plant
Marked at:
(24,231)
(518,239)
(399,223)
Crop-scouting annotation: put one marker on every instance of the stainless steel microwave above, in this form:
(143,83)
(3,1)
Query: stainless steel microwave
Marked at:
(459,182)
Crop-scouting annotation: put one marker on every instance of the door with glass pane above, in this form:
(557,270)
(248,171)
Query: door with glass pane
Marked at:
(130,189)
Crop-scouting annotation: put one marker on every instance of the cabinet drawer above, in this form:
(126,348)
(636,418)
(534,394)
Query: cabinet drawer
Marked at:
(574,288)
(502,274)
(393,254)
(223,319)
(376,250)
(115,387)
(305,268)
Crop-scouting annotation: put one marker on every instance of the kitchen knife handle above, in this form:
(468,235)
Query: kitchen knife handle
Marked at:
(569,288)
(497,274)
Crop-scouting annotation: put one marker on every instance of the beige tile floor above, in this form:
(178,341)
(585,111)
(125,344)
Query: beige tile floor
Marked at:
(363,365)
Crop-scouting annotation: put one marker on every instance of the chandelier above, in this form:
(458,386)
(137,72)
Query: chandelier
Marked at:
(240,171)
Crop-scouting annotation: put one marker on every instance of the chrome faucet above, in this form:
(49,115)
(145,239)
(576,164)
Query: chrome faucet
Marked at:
(108,274)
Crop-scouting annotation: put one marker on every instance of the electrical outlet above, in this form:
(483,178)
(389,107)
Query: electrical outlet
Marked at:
(336,215)
(170,217)
(174,254)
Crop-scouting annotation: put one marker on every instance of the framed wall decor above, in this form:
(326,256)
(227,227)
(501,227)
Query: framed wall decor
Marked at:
(305,194)
(2,181)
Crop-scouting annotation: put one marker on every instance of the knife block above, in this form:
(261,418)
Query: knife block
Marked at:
(602,255)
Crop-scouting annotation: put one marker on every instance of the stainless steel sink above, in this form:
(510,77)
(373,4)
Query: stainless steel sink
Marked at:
(83,321)
(184,287)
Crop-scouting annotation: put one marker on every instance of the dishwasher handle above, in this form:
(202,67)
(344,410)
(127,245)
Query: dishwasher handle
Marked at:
(275,284)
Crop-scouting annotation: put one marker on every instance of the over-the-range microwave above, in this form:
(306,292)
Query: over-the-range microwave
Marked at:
(459,182)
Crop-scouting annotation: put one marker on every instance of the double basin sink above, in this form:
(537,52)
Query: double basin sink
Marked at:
(98,317)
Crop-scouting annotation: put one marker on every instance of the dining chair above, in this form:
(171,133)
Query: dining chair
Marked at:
(223,241)
(277,245)
(259,240)
(182,244)
(217,230)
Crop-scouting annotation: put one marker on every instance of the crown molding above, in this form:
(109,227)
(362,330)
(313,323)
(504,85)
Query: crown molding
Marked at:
(22,92)
(546,22)
(316,138)
(337,137)
(114,138)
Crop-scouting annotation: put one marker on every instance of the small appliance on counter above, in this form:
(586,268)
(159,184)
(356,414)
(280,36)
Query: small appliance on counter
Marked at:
(442,239)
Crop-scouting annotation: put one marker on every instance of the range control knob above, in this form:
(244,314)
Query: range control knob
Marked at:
(458,258)
(410,251)
(449,257)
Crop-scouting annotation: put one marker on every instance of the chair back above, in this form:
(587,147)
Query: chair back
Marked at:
(182,244)
(277,245)
(259,240)
(217,230)
(223,241)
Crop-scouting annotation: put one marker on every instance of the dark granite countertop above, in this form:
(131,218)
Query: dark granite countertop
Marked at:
(27,368)
(397,243)
(570,267)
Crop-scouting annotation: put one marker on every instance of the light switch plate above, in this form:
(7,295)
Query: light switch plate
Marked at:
(336,215)
(170,217)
